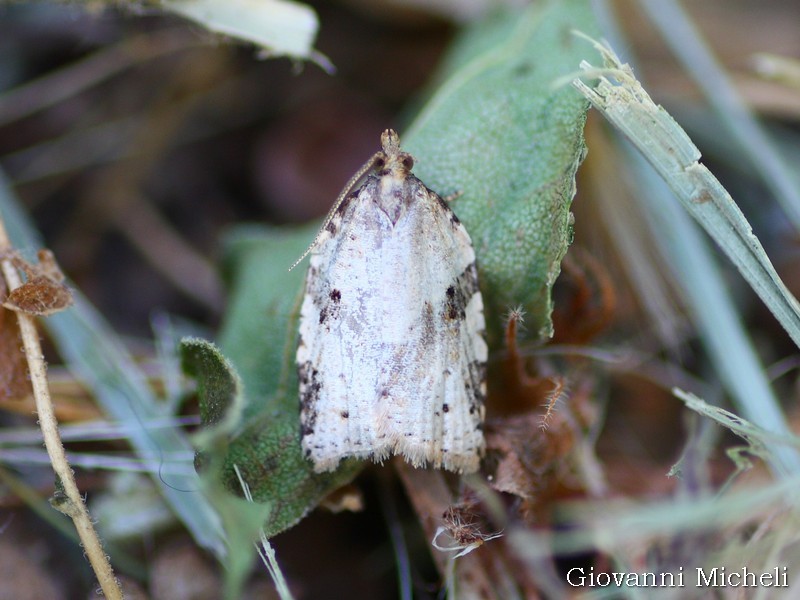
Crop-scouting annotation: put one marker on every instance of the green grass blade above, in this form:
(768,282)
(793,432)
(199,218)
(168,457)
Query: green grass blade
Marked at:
(667,147)
(713,312)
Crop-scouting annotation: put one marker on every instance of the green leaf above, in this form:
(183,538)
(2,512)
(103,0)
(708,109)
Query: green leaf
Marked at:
(219,387)
(498,132)
(221,400)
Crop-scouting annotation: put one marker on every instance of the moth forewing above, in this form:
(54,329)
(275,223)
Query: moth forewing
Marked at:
(391,356)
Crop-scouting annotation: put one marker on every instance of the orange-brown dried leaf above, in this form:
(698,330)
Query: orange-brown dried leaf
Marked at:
(513,390)
(14,382)
(44,293)
(586,299)
(40,296)
(534,463)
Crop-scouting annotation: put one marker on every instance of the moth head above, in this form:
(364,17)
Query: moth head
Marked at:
(392,158)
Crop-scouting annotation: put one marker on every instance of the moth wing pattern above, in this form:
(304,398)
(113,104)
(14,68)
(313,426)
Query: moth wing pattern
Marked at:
(391,355)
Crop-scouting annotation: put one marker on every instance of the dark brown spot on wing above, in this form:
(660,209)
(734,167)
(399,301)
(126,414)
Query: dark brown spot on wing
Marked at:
(310,390)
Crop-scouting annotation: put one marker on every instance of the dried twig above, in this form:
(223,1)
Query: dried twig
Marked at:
(68,498)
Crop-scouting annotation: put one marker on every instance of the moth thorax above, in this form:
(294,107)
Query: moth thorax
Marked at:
(394,196)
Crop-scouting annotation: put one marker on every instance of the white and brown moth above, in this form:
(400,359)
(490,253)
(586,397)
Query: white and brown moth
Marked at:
(391,356)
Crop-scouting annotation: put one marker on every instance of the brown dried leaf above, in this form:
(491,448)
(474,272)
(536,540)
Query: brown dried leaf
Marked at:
(44,293)
(40,296)
(14,381)
(587,299)
(533,463)
(534,454)
(481,574)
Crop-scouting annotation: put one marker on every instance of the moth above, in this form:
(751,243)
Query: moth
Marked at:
(391,356)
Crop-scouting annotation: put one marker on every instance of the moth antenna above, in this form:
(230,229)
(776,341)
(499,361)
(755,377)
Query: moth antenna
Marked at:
(368,166)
